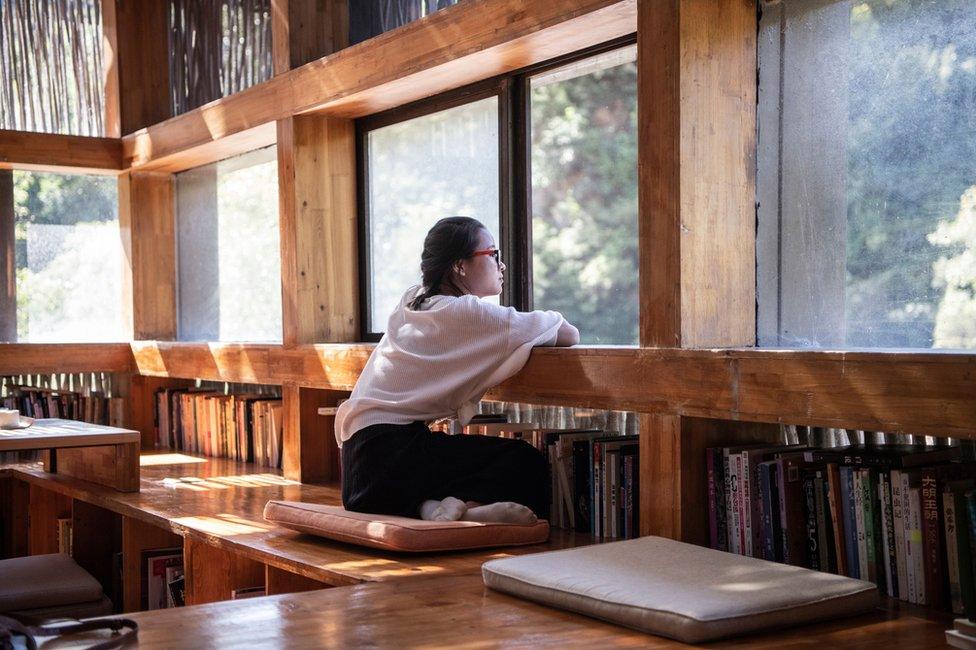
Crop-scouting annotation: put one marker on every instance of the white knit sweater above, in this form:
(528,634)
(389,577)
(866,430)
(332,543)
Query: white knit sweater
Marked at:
(437,362)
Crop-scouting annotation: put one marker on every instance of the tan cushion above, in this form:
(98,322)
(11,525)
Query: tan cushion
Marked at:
(90,609)
(44,581)
(686,592)
(399,533)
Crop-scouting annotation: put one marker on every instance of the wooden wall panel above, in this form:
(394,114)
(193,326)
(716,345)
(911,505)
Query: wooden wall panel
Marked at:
(310,453)
(143,62)
(459,45)
(14,516)
(8,265)
(45,508)
(319,251)
(697,96)
(137,537)
(306,30)
(213,573)
(148,230)
(59,153)
(97,537)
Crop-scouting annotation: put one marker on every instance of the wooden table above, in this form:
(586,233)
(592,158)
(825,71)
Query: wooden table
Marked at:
(105,455)
(460,612)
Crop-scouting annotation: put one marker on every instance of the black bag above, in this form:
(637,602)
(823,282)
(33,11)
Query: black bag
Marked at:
(10,627)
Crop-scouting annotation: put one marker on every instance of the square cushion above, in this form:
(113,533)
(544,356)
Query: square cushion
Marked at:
(399,533)
(42,581)
(679,590)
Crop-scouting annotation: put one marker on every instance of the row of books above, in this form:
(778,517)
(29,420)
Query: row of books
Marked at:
(162,584)
(242,426)
(900,516)
(69,405)
(595,477)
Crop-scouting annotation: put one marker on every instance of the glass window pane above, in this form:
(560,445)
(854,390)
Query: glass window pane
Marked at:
(584,195)
(421,170)
(68,258)
(229,254)
(866,183)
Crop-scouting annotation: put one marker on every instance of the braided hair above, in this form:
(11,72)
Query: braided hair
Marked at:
(450,240)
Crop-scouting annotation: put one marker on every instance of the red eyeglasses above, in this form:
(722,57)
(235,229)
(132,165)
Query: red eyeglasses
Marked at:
(489,251)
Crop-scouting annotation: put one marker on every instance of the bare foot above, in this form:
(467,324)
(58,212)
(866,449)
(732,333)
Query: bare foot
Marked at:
(450,509)
(504,512)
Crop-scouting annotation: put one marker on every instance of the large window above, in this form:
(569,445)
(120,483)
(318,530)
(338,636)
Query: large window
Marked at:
(584,194)
(68,255)
(866,183)
(546,158)
(229,255)
(368,18)
(421,170)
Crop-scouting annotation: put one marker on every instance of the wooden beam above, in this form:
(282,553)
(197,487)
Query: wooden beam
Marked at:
(112,114)
(147,225)
(913,392)
(468,42)
(696,70)
(59,153)
(8,262)
(318,222)
(30,358)
(143,62)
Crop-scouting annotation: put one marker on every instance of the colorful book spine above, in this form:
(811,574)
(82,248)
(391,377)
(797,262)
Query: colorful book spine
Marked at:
(862,548)
(967,568)
(850,525)
(888,535)
(952,551)
(916,567)
(932,540)
(812,537)
(836,517)
(898,490)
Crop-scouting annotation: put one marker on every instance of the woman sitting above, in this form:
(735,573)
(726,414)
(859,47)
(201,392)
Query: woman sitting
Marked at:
(443,348)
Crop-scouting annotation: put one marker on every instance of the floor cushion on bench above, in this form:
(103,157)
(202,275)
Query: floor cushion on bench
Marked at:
(49,586)
(399,533)
(679,590)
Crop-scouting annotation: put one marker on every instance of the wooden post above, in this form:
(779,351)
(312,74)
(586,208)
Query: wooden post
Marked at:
(8,262)
(141,29)
(147,227)
(319,266)
(696,169)
(112,115)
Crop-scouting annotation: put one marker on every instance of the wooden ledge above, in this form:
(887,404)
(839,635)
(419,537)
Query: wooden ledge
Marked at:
(456,46)
(49,152)
(926,392)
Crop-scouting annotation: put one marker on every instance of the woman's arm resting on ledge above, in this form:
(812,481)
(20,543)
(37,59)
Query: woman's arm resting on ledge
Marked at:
(568,335)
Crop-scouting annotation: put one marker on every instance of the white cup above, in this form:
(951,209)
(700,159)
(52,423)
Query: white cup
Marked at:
(9,418)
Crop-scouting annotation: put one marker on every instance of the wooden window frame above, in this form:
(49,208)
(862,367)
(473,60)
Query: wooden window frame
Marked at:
(514,173)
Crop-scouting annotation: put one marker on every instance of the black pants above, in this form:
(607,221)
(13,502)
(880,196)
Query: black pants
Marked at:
(391,469)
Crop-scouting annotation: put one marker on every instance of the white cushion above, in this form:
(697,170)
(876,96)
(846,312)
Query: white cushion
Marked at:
(679,590)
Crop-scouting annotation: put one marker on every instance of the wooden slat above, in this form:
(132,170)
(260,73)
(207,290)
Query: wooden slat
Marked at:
(112,114)
(147,223)
(697,97)
(143,62)
(471,41)
(28,358)
(318,221)
(14,513)
(8,262)
(59,153)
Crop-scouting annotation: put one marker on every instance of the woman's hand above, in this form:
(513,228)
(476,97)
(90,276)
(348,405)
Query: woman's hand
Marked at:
(568,334)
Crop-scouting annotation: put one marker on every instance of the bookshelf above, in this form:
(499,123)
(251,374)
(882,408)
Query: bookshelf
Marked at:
(696,379)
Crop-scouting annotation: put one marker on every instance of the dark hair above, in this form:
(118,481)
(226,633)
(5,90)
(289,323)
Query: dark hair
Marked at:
(451,239)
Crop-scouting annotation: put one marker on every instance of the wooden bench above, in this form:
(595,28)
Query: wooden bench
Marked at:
(215,505)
